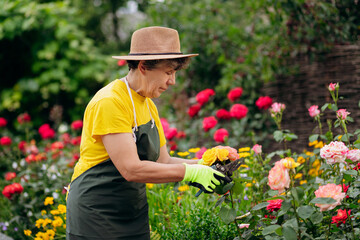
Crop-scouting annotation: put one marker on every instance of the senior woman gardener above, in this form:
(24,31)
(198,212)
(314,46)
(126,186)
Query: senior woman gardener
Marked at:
(123,145)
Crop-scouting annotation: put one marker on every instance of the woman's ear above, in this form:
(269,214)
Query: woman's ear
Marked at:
(141,67)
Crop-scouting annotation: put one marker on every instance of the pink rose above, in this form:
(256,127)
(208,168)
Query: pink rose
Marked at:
(233,154)
(257,149)
(314,111)
(279,178)
(220,135)
(264,102)
(3,122)
(334,152)
(223,114)
(274,205)
(203,96)
(77,125)
(353,155)
(333,86)
(164,124)
(5,141)
(238,111)
(235,94)
(209,123)
(244,225)
(194,110)
(171,133)
(199,154)
(276,108)
(329,190)
(342,114)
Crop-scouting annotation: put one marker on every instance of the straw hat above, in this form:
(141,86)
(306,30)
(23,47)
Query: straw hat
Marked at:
(152,43)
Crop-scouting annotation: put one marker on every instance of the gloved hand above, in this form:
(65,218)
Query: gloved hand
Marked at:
(203,177)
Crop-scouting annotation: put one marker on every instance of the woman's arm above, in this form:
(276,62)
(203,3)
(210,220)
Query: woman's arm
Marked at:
(123,152)
(166,158)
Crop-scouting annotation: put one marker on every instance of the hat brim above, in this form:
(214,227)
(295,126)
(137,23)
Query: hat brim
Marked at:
(154,57)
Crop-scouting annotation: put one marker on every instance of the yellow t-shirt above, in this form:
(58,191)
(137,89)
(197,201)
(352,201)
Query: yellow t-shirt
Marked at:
(111,111)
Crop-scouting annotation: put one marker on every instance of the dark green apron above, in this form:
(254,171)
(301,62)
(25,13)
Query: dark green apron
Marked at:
(102,205)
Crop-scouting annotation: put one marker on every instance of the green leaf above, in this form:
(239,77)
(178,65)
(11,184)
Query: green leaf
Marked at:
(333,107)
(220,201)
(324,107)
(313,137)
(305,211)
(227,214)
(353,192)
(238,187)
(289,233)
(291,223)
(285,206)
(351,172)
(270,229)
(316,217)
(260,206)
(278,135)
(323,200)
(295,194)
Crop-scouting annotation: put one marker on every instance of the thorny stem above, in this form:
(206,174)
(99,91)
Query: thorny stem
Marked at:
(235,221)
(320,126)
(294,206)
(345,131)
(328,232)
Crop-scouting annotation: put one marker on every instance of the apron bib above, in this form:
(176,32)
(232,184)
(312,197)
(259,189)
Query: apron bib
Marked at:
(103,205)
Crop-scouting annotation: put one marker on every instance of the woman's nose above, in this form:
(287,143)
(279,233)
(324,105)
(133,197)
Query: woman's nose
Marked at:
(172,80)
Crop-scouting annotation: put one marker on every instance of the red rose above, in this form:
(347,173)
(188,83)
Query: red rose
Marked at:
(181,134)
(235,94)
(274,205)
(220,135)
(65,138)
(209,123)
(23,118)
(77,125)
(76,140)
(5,141)
(345,188)
(18,188)
(46,131)
(341,217)
(22,145)
(173,145)
(57,145)
(171,133)
(121,63)
(203,96)
(3,122)
(194,109)
(223,114)
(238,111)
(8,191)
(10,175)
(31,158)
(264,102)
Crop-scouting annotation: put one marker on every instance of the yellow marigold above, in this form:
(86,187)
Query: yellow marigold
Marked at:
(46,222)
(309,153)
(316,163)
(298,175)
(149,185)
(300,160)
(178,198)
(222,154)
(244,166)
(183,188)
(39,222)
(50,233)
(319,144)
(248,184)
(303,182)
(55,212)
(27,232)
(312,172)
(244,155)
(57,222)
(289,163)
(49,201)
(209,156)
(194,150)
(313,143)
(172,152)
(183,154)
(43,212)
(245,149)
(62,208)
(64,226)
(339,137)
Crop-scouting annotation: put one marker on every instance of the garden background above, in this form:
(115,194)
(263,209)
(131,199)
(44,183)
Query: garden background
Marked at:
(55,55)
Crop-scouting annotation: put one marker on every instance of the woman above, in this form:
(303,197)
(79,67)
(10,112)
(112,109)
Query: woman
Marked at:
(123,145)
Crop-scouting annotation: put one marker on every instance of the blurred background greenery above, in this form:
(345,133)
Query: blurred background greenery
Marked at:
(55,55)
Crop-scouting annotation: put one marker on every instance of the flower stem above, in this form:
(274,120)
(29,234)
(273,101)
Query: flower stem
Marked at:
(235,221)
(320,126)
(345,131)
(352,227)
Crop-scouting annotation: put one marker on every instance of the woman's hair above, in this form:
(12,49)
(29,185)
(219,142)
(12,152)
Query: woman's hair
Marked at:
(176,63)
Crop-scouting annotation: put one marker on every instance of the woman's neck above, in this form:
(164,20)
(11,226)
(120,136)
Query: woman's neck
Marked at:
(134,79)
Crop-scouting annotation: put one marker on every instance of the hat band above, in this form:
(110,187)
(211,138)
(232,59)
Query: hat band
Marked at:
(170,53)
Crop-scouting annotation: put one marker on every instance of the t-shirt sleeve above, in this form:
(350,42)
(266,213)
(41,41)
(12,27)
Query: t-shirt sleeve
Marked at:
(109,115)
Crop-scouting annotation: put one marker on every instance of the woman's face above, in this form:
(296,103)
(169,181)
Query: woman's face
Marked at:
(157,80)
